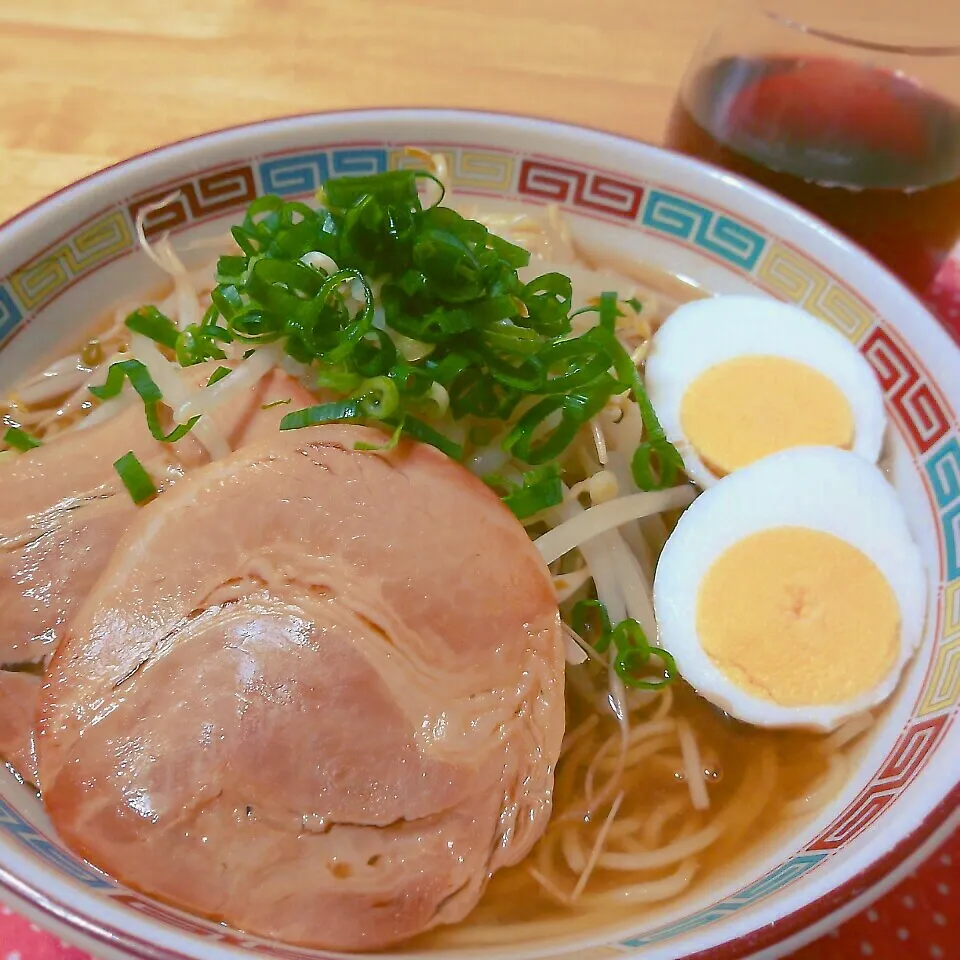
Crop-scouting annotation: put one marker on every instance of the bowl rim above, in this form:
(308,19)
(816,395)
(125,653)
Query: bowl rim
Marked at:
(857,891)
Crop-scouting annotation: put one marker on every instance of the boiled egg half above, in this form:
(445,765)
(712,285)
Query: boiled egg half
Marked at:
(735,378)
(791,593)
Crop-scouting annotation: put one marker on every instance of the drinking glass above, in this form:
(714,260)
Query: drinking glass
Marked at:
(858,129)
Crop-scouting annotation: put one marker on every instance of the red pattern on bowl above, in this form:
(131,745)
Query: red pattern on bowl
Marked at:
(921,413)
(917,918)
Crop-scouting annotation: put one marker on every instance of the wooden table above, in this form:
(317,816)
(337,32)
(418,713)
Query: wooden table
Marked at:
(88,82)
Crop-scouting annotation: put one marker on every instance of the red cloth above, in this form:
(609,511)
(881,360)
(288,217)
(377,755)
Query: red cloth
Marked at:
(21,940)
(912,920)
(943,297)
(916,920)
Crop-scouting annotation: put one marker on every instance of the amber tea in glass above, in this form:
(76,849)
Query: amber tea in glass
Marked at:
(848,131)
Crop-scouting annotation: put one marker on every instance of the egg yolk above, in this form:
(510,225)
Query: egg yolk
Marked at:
(799,617)
(746,408)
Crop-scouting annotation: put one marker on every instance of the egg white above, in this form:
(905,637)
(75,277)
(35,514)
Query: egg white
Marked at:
(704,333)
(820,488)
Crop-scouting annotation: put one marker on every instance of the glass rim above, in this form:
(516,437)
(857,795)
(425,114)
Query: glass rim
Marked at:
(911,50)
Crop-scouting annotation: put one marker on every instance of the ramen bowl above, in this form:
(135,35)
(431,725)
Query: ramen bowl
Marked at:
(67,260)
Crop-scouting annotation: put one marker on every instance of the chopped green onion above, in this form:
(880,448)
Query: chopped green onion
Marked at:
(354,331)
(539,488)
(534,441)
(337,378)
(154,325)
(656,463)
(379,398)
(20,439)
(218,375)
(632,650)
(548,299)
(500,349)
(334,412)
(633,653)
(419,430)
(635,304)
(609,311)
(135,478)
(149,392)
(386,447)
(276,403)
(195,345)
(398,187)
(517,257)
(590,620)
(352,409)
(139,377)
(575,363)
(200,342)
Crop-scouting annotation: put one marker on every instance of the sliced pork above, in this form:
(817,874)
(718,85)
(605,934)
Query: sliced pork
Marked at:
(19,692)
(317,694)
(62,510)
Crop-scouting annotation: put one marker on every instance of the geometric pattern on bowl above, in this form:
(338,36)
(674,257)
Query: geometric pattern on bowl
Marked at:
(914,403)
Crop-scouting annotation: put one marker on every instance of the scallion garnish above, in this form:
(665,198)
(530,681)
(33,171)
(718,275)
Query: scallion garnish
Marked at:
(633,653)
(151,323)
(590,620)
(197,343)
(385,447)
(135,478)
(609,311)
(534,443)
(423,432)
(218,375)
(379,398)
(538,489)
(656,464)
(336,411)
(149,392)
(453,320)
(631,650)
(20,439)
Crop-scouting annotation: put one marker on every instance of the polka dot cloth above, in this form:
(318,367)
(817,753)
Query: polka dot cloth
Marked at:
(919,919)
(916,920)
(943,298)
(20,940)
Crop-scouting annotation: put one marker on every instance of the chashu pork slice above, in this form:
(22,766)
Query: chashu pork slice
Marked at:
(62,510)
(317,695)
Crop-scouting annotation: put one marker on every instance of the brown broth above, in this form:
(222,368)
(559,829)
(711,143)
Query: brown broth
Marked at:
(759,774)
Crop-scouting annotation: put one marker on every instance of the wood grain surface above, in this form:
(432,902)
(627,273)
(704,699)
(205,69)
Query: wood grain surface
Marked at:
(88,82)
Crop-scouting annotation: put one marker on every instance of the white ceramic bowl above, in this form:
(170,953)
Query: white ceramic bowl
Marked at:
(66,260)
